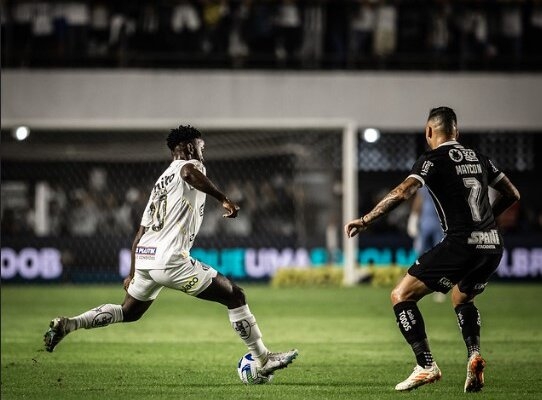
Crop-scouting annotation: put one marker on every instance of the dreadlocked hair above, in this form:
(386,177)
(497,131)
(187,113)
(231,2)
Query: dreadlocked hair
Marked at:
(183,133)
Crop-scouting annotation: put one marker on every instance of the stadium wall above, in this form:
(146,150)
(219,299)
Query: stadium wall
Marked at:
(383,100)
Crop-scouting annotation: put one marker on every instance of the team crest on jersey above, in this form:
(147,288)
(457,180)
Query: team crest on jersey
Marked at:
(456,155)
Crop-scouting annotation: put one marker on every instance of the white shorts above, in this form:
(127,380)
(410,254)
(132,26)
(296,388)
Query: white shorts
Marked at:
(192,278)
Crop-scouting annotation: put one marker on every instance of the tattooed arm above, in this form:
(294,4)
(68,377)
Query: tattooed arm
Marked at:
(508,194)
(397,196)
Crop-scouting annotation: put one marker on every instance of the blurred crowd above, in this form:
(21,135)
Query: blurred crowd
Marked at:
(76,210)
(351,34)
(99,207)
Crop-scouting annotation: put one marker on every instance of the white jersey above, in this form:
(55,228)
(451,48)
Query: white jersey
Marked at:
(171,219)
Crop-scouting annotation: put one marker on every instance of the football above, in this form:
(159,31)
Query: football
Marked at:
(247,368)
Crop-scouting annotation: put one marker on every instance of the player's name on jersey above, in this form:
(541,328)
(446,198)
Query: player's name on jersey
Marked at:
(166,180)
(465,169)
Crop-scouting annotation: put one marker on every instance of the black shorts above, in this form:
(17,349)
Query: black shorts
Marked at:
(452,262)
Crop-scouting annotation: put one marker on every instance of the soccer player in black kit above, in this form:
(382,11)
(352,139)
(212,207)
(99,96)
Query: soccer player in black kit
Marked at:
(458,179)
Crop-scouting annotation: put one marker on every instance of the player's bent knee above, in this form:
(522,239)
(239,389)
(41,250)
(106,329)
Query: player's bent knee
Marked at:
(396,296)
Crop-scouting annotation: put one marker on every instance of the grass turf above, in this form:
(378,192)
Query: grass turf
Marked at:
(349,345)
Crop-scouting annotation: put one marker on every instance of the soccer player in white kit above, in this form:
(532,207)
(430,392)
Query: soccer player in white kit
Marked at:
(161,256)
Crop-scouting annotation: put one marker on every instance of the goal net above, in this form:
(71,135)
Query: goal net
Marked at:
(73,196)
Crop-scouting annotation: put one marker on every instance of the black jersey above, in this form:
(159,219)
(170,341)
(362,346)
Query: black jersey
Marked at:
(458,178)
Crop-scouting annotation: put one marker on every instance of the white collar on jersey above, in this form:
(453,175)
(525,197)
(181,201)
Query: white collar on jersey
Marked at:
(448,143)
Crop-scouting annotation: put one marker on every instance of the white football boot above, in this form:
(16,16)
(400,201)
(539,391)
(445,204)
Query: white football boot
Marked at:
(277,361)
(420,376)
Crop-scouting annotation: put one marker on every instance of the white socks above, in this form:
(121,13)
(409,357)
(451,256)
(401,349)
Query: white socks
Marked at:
(244,323)
(100,316)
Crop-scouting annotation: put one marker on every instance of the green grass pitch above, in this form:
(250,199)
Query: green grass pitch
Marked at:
(184,348)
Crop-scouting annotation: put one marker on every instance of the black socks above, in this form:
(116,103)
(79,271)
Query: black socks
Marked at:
(468,319)
(410,323)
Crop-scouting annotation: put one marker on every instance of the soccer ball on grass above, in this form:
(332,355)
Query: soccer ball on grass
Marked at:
(248,371)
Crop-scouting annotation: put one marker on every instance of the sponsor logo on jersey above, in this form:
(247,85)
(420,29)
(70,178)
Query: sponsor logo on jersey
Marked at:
(145,253)
(426,167)
(469,155)
(150,251)
(464,169)
(493,167)
(189,285)
(484,240)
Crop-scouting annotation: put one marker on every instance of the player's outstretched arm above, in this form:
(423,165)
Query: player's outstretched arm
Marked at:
(191,175)
(397,196)
(508,195)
